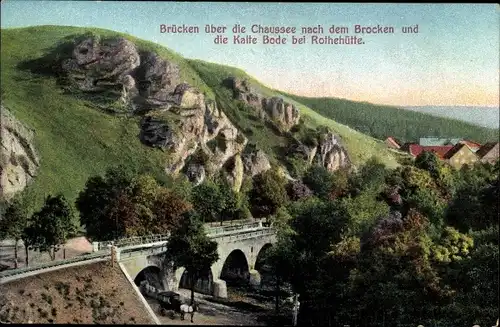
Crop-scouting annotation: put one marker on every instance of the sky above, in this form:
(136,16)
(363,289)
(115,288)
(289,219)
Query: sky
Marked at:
(452,61)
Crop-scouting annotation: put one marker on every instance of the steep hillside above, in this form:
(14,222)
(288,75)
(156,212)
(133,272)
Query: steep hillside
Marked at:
(359,146)
(381,121)
(74,139)
(94,98)
(90,294)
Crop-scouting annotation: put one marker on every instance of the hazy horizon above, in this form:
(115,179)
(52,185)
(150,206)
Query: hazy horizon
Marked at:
(453,61)
(485,116)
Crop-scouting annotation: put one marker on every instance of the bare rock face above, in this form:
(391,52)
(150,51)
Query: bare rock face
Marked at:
(255,162)
(235,170)
(331,154)
(145,81)
(189,124)
(99,65)
(19,160)
(196,174)
(157,83)
(283,114)
(157,133)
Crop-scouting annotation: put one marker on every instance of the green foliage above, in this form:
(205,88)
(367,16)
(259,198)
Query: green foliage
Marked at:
(269,193)
(362,210)
(296,165)
(216,201)
(452,246)
(52,225)
(429,203)
(191,248)
(96,201)
(126,204)
(319,180)
(475,207)
(371,177)
(14,220)
(382,121)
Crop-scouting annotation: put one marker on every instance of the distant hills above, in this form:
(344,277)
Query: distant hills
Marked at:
(380,121)
(480,116)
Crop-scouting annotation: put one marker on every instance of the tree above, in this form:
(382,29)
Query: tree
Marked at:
(208,201)
(297,190)
(13,223)
(319,180)
(216,200)
(428,160)
(53,224)
(96,200)
(280,257)
(191,248)
(169,208)
(371,177)
(269,193)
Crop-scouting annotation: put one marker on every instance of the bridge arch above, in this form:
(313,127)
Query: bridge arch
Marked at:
(235,268)
(152,274)
(203,285)
(260,260)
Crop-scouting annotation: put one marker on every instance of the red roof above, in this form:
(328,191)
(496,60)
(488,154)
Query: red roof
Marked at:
(471,144)
(440,151)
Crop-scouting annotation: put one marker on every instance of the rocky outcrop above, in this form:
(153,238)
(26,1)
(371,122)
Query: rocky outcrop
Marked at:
(284,115)
(177,118)
(98,65)
(144,81)
(329,152)
(255,162)
(196,174)
(235,170)
(19,161)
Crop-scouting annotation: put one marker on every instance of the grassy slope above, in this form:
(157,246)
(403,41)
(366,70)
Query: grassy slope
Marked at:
(391,121)
(360,147)
(74,139)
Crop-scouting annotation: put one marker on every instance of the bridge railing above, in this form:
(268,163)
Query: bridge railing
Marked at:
(230,228)
(23,270)
(240,236)
(103,249)
(130,241)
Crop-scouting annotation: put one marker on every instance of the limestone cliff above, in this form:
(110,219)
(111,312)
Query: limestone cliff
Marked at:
(176,117)
(328,151)
(284,115)
(19,160)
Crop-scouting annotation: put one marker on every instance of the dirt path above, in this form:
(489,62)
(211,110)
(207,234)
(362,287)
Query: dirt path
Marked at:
(212,313)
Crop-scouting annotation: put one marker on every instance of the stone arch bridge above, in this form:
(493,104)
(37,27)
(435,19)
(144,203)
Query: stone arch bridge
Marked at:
(240,249)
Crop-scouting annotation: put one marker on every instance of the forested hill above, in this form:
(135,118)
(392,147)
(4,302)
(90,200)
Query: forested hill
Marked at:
(381,121)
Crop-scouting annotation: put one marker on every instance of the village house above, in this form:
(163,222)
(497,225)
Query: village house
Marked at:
(489,152)
(416,149)
(461,154)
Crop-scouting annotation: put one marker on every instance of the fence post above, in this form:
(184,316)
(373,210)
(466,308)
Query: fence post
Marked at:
(95,246)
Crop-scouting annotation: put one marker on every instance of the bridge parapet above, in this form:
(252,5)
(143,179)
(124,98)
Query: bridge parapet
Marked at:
(147,245)
(230,228)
